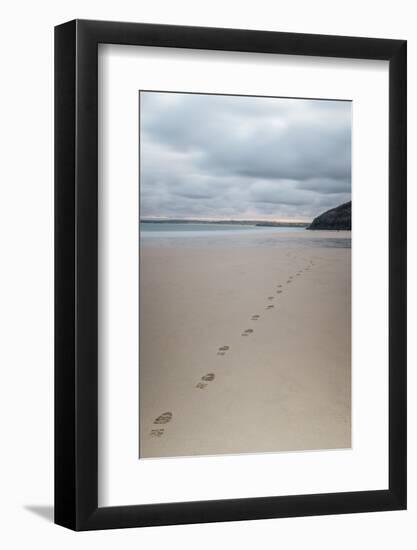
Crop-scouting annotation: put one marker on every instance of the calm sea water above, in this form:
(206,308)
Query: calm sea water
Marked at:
(195,234)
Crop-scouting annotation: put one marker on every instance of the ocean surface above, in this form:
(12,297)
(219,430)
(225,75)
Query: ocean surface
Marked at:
(199,234)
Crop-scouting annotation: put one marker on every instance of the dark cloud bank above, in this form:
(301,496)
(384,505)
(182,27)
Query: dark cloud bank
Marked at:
(234,157)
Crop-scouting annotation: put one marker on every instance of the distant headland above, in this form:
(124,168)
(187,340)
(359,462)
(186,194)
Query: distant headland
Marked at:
(339,218)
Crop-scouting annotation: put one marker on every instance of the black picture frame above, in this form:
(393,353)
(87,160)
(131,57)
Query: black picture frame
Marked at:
(76,272)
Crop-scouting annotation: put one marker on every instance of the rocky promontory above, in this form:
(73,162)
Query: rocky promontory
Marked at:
(339,218)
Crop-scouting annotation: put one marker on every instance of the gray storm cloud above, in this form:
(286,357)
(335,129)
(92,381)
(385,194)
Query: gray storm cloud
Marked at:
(214,156)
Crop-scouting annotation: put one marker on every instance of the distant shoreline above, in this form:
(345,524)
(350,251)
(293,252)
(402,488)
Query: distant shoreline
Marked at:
(258,223)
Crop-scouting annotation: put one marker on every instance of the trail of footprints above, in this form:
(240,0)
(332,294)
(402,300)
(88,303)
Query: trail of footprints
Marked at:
(205,380)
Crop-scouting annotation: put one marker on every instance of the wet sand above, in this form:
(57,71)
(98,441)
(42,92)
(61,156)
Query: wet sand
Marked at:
(247,348)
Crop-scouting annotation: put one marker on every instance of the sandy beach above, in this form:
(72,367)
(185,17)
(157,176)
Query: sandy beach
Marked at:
(270,325)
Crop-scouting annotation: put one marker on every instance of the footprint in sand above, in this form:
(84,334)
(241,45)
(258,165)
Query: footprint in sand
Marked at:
(289,281)
(157,433)
(279,291)
(223,350)
(270,297)
(254,317)
(247,332)
(206,378)
(163,418)
(279,286)
(269,307)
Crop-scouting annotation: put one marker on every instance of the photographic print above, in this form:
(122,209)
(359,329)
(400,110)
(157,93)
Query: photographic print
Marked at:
(245,274)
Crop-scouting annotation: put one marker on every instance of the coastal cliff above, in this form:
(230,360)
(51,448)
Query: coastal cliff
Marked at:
(339,218)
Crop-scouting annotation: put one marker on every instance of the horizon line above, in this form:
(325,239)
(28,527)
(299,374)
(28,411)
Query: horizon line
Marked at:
(207,219)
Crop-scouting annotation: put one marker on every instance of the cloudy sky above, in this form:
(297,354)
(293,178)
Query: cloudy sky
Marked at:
(228,157)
